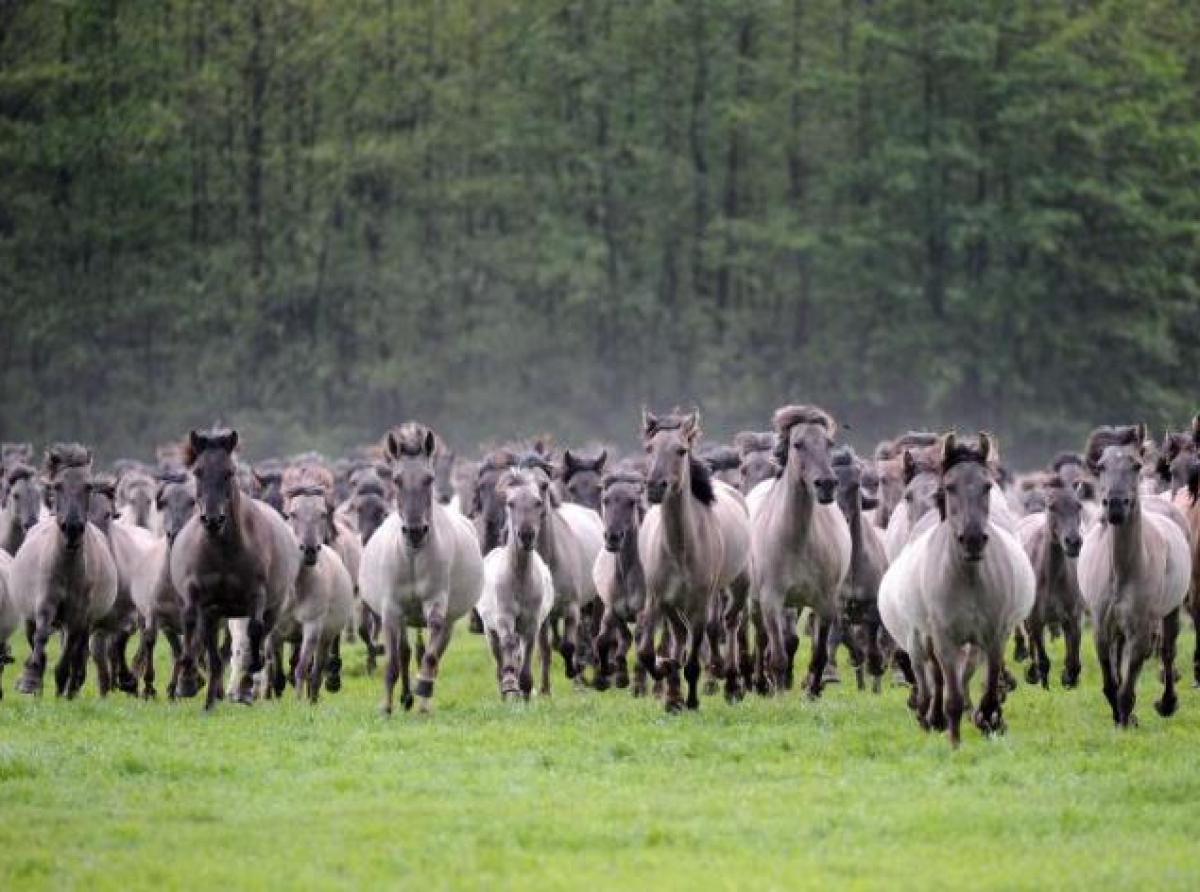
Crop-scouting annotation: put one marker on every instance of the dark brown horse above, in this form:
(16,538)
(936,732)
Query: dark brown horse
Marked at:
(235,558)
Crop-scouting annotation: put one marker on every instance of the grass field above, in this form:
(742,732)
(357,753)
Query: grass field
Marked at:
(591,790)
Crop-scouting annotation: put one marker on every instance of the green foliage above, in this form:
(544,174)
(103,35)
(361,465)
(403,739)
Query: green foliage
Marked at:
(313,219)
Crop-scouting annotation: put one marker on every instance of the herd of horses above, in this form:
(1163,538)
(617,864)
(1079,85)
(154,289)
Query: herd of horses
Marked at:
(926,558)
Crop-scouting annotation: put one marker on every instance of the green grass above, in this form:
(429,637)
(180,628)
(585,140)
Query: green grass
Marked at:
(591,790)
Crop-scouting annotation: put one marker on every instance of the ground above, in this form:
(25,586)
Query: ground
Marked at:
(591,790)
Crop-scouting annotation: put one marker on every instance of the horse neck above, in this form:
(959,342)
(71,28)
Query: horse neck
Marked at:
(550,536)
(64,561)
(680,514)
(629,562)
(12,530)
(233,537)
(800,503)
(1127,539)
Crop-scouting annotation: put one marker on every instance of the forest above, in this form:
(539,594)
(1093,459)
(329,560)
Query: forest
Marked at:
(313,219)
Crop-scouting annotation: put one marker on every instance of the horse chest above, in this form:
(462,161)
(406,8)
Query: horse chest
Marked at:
(226,590)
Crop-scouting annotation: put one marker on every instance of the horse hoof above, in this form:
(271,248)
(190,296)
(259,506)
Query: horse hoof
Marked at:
(385,711)
(29,686)
(1166,707)
(638,691)
(149,693)
(622,681)
(673,706)
(711,686)
(1031,674)
(602,683)
(407,701)
(424,705)
(187,687)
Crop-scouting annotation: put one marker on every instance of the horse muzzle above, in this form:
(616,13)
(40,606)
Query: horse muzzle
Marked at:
(656,491)
(612,541)
(309,554)
(415,536)
(214,524)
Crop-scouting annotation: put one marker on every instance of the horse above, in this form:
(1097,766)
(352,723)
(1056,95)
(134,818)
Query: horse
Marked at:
(1134,572)
(581,476)
(21,504)
(694,544)
(1052,539)
(800,546)
(235,558)
(859,625)
(571,536)
(620,579)
(518,588)
(1180,468)
(63,576)
(756,458)
(159,604)
(422,567)
(130,546)
(135,500)
(974,582)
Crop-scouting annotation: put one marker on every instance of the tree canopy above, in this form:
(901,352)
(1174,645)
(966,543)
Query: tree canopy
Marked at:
(313,219)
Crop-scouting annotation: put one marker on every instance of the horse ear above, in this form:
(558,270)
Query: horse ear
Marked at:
(1162,468)
(939,499)
(691,425)
(569,462)
(229,442)
(197,441)
(430,443)
(391,446)
(1196,429)
(949,442)
(649,422)
(910,467)
(601,460)
(985,445)
(1141,437)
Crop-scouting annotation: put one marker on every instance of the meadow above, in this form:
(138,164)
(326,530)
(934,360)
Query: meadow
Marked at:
(591,790)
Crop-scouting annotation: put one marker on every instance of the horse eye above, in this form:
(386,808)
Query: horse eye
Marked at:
(681,450)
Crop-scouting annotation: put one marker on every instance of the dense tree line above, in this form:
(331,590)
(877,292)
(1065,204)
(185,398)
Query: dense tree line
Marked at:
(316,218)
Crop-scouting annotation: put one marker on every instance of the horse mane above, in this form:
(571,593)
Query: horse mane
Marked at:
(105,484)
(408,440)
(748,442)
(956,451)
(616,478)
(308,480)
(722,458)
(843,456)
(672,421)
(702,481)
(172,475)
(1109,435)
(18,472)
(66,455)
(498,460)
(215,437)
(573,463)
(884,450)
(787,417)
(1175,442)
(1064,458)
(16,453)
(535,460)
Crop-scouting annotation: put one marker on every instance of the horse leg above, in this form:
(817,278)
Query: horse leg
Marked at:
(30,681)
(953,699)
(122,676)
(210,632)
(143,660)
(1170,633)
(316,673)
(731,623)
(1193,603)
(673,698)
(1071,666)
(989,717)
(1038,670)
(1104,653)
(836,636)
(99,649)
(176,657)
(302,661)
(566,645)
(604,647)
(188,684)
(1134,653)
(333,681)
(875,661)
(621,679)
(439,638)
(774,622)
(696,632)
(713,612)
(526,677)
(545,649)
(256,630)
(647,623)
(393,635)
(366,626)
(935,675)
(791,645)
(815,682)
(1020,646)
